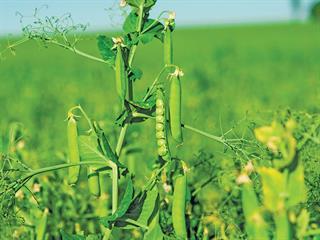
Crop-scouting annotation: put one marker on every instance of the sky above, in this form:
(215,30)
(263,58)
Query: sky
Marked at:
(102,14)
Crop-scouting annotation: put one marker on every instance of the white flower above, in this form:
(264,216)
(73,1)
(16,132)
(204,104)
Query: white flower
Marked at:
(243,178)
(249,168)
(36,187)
(178,73)
(172,15)
(123,3)
(19,195)
(167,188)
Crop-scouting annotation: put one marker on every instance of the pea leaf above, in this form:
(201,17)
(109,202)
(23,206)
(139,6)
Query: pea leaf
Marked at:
(135,74)
(88,147)
(149,3)
(67,236)
(123,207)
(148,206)
(152,28)
(154,232)
(131,23)
(105,44)
(142,209)
(105,146)
(136,3)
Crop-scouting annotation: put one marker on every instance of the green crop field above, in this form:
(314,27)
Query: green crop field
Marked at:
(236,78)
(229,72)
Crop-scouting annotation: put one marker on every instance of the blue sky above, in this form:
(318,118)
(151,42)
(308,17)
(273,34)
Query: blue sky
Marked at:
(189,12)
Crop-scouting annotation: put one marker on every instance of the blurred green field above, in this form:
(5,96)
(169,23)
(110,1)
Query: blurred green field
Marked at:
(234,76)
(229,72)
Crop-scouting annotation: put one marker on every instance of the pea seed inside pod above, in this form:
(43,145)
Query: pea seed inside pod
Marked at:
(162,150)
(160,134)
(159,111)
(161,142)
(159,127)
(159,119)
(159,103)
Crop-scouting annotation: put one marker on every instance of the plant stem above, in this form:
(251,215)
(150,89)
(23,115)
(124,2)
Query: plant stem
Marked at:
(156,80)
(76,51)
(213,137)
(154,22)
(133,222)
(114,189)
(194,192)
(130,85)
(121,139)
(139,27)
(33,173)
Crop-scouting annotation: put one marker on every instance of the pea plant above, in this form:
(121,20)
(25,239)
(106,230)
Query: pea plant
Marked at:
(160,209)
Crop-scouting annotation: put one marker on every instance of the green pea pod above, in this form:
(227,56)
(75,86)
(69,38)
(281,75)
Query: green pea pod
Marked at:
(179,206)
(121,77)
(73,150)
(282,225)
(161,128)
(256,227)
(42,225)
(175,107)
(93,181)
(168,47)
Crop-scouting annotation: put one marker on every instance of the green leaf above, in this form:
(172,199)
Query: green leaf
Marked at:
(134,3)
(137,3)
(123,207)
(131,23)
(88,147)
(110,154)
(142,208)
(146,38)
(152,28)
(148,206)
(154,232)
(149,3)
(67,236)
(105,145)
(135,74)
(296,187)
(105,44)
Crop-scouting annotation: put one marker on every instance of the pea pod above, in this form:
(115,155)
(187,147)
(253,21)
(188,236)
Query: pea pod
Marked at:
(93,181)
(167,47)
(175,106)
(282,225)
(42,225)
(73,150)
(256,227)
(161,133)
(179,206)
(120,73)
